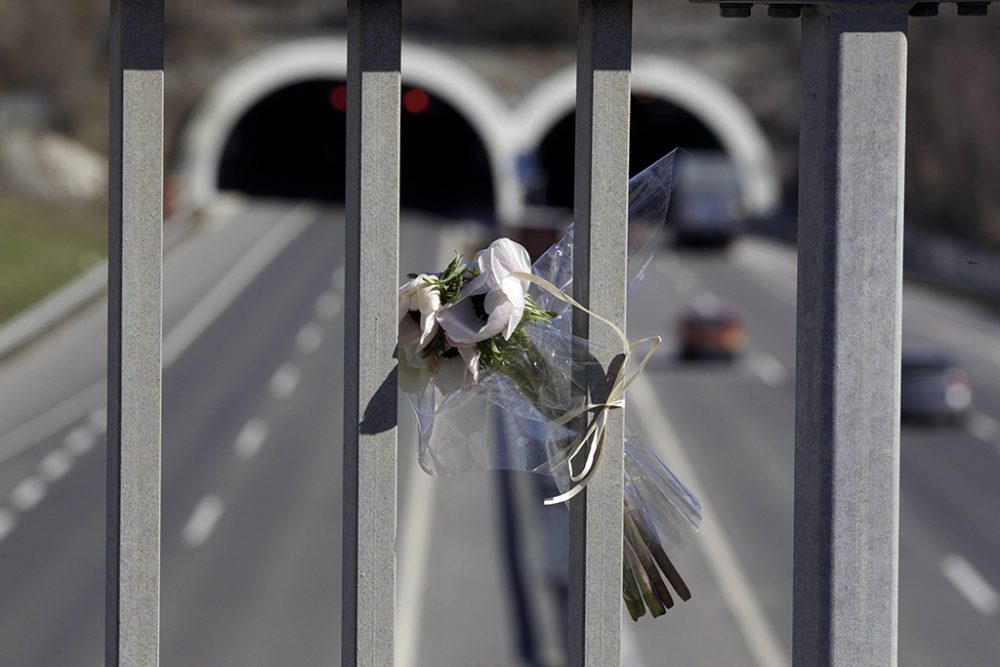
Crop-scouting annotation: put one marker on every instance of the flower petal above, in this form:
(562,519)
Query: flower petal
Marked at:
(464,326)
(511,256)
(470,355)
(513,289)
(409,332)
(500,311)
(478,285)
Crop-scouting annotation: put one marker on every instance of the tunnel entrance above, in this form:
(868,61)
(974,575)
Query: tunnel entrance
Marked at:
(657,127)
(292,144)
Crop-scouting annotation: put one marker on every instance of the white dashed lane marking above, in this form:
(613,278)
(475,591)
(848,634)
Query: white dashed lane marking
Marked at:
(309,338)
(27,494)
(338,278)
(767,368)
(203,520)
(971,584)
(329,305)
(80,440)
(55,465)
(251,438)
(284,381)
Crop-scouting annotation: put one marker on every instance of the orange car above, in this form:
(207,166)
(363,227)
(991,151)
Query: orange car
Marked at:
(709,330)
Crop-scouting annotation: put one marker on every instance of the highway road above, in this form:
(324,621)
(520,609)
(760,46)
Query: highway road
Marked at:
(734,424)
(251,495)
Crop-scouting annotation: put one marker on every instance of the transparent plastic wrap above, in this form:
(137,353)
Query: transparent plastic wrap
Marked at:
(533,412)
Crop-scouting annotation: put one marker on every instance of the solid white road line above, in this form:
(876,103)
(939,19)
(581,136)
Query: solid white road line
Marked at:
(51,421)
(415,543)
(80,440)
(55,465)
(631,656)
(984,427)
(970,584)
(27,494)
(415,524)
(767,368)
(203,520)
(7,521)
(309,338)
(236,280)
(733,581)
(329,305)
(284,381)
(176,341)
(251,438)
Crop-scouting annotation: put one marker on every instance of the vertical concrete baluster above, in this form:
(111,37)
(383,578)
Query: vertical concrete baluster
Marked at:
(847,376)
(372,265)
(135,219)
(604,58)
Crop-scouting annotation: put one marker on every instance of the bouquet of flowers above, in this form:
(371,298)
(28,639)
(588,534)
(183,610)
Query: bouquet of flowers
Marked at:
(498,381)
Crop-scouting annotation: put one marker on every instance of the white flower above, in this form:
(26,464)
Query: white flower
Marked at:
(459,371)
(503,304)
(418,295)
(470,357)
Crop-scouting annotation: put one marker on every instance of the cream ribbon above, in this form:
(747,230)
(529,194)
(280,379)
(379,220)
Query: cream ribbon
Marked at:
(593,439)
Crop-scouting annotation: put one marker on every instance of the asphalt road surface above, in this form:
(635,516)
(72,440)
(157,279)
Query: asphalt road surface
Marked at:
(251,472)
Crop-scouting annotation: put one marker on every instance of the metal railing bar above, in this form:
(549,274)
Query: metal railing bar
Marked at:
(848,338)
(604,56)
(370,392)
(135,240)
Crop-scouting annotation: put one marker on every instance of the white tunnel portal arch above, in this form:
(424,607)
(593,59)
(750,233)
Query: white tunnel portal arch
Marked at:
(708,101)
(215,117)
(505,134)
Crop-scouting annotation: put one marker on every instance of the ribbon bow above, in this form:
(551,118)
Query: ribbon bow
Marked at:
(593,438)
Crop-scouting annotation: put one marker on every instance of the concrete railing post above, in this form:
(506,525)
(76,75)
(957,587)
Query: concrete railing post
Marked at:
(135,219)
(849,319)
(372,266)
(851,147)
(604,59)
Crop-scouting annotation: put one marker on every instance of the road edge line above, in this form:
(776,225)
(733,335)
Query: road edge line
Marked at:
(235,281)
(67,411)
(719,554)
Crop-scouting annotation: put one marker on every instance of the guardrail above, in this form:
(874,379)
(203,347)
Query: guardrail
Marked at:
(850,258)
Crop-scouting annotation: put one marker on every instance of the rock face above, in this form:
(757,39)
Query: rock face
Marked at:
(41,161)
(52,166)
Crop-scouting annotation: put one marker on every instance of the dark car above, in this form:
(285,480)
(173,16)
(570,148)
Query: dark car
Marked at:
(710,330)
(934,388)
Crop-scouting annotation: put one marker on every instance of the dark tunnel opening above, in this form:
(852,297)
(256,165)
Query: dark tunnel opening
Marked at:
(657,127)
(292,144)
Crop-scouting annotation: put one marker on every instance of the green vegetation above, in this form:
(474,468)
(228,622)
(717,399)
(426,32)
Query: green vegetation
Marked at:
(42,246)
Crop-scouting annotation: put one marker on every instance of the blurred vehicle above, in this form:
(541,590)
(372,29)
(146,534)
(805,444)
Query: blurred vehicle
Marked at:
(706,208)
(710,330)
(934,388)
